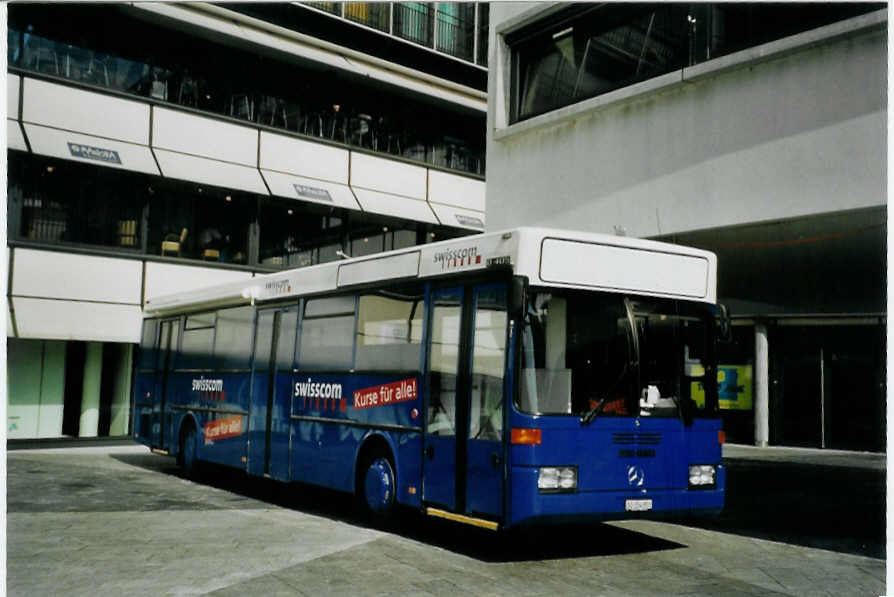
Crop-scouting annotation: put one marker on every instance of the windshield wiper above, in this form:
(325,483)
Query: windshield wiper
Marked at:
(597,410)
(632,361)
(594,412)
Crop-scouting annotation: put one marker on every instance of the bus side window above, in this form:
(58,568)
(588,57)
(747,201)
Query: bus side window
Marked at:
(198,339)
(232,343)
(389,333)
(327,334)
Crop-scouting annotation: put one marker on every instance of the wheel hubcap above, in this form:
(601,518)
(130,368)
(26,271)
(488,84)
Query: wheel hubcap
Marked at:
(379,485)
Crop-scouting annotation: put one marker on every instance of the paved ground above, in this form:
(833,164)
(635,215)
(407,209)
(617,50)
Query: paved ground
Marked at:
(117,520)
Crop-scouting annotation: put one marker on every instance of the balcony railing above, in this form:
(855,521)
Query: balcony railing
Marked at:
(456,29)
(448,27)
(381,126)
(372,14)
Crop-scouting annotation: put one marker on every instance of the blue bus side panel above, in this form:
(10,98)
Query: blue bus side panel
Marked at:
(257,424)
(280,427)
(143,385)
(221,435)
(484,485)
(323,451)
(409,473)
(440,470)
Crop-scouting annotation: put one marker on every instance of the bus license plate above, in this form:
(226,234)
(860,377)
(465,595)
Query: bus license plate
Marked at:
(637,505)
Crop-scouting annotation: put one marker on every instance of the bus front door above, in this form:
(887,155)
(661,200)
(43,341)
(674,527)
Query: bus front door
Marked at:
(463,447)
(167,347)
(268,437)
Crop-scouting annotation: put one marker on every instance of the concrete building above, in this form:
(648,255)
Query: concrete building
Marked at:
(154,148)
(757,131)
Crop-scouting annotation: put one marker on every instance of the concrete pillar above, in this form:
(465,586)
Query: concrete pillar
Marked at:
(761,387)
(121,391)
(89,422)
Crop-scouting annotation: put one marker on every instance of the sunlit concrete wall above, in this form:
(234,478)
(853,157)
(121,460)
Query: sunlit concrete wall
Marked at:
(789,129)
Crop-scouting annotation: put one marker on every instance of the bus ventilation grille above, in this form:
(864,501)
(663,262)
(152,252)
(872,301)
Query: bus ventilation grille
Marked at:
(628,439)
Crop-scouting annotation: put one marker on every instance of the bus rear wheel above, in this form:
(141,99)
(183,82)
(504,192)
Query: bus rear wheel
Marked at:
(379,487)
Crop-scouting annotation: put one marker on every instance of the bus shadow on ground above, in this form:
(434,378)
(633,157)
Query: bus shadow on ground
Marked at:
(552,542)
(518,545)
(827,507)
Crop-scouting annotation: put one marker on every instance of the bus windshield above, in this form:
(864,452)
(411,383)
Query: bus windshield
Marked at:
(595,354)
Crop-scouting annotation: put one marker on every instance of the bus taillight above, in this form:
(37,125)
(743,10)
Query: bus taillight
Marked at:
(530,437)
(721,437)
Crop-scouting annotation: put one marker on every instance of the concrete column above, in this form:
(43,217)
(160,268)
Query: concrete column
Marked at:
(89,422)
(121,391)
(761,387)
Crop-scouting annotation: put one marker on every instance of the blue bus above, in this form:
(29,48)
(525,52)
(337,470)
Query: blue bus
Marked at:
(520,377)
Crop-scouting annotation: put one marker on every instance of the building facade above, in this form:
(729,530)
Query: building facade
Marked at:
(155,148)
(757,131)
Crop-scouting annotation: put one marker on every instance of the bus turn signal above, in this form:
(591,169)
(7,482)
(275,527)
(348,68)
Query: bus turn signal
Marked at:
(530,437)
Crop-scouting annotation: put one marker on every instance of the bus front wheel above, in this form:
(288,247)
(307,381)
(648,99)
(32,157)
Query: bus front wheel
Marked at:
(378,486)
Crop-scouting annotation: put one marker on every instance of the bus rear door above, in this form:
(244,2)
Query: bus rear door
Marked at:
(268,446)
(463,447)
(168,338)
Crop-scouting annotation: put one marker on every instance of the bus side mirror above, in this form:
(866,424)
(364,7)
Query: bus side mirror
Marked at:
(517,299)
(724,325)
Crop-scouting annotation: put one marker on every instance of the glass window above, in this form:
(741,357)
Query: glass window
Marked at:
(674,356)
(285,347)
(591,49)
(444,361)
(148,354)
(336,305)
(197,344)
(615,356)
(199,222)
(225,80)
(199,321)
(596,55)
(488,360)
(367,244)
(389,332)
(576,351)
(404,239)
(232,344)
(263,340)
(298,234)
(483,20)
(327,334)
(67,202)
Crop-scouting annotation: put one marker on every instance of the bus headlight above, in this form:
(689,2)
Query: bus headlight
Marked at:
(554,479)
(702,475)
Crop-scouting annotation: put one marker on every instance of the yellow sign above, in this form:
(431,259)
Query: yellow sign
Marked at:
(734,388)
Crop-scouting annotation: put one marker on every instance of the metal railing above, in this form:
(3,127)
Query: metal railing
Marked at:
(372,14)
(354,125)
(453,28)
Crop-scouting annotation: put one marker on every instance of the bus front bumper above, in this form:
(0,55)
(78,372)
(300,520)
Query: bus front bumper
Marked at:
(530,506)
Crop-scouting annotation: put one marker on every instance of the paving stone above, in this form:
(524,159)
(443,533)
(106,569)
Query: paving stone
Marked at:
(121,522)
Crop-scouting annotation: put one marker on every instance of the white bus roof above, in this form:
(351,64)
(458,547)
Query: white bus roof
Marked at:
(548,257)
